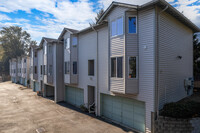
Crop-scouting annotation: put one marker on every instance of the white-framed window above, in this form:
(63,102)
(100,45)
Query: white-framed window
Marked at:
(117,67)
(132,67)
(67,67)
(117,27)
(45,49)
(67,43)
(74,67)
(90,67)
(132,24)
(74,41)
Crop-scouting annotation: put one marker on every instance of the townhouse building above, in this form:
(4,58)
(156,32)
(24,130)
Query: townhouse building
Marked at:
(53,81)
(13,70)
(19,67)
(124,68)
(25,62)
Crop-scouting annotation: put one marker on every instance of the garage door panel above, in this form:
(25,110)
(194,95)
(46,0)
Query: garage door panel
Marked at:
(126,111)
(74,96)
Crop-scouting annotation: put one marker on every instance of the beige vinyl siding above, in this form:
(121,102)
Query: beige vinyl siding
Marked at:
(175,40)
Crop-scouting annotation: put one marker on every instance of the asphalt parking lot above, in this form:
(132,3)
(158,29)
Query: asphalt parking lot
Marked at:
(22,111)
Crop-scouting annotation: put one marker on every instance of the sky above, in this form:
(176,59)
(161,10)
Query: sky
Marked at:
(47,18)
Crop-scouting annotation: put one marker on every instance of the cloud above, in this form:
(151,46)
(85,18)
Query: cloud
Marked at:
(56,14)
(4,17)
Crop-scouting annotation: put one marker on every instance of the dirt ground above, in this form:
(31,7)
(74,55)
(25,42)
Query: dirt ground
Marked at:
(22,111)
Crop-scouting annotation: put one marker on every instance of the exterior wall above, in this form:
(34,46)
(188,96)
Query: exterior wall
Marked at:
(40,63)
(87,51)
(35,63)
(31,65)
(50,60)
(146,32)
(175,39)
(59,77)
(73,57)
(117,48)
(67,57)
(45,62)
(131,50)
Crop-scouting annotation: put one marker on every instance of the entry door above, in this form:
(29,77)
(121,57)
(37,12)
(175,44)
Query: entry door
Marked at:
(91,95)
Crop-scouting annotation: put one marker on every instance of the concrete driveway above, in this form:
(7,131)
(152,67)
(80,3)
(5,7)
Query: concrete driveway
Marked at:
(22,111)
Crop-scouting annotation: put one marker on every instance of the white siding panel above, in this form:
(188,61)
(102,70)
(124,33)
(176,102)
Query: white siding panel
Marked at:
(175,40)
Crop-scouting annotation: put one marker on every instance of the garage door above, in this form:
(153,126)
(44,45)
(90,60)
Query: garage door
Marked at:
(74,96)
(125,111)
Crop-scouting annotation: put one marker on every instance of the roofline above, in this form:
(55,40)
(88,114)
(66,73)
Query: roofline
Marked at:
(185,20)
(115,4)
(181,18)
(66,30)
(91,27)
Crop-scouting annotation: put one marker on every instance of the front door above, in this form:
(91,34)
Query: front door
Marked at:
(91,98)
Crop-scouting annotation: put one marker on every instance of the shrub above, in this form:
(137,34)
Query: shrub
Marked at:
(181,110)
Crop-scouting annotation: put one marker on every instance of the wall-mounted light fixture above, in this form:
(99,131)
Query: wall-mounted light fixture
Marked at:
(179,57)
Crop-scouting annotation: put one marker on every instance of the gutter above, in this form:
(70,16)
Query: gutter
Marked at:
(157,62)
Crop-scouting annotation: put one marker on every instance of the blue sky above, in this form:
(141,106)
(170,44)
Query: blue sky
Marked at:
(47,18)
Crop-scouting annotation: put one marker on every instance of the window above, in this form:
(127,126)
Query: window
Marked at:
(117,67)
(35,69)
(24,60)
(132,67)
(50,70)
(44,70)
(74,41)
(20,70)
(113,67)
(45,49)
(41,69)
(74,67)
(67,67)
(50,49)
(91,67)
(67,43)
(35,54)
(117,27)
(132,24)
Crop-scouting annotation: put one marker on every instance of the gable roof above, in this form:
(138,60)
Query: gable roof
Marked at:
(162,4)
(72,31)
(49,40)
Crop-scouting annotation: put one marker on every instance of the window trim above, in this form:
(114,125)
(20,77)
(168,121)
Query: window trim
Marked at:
(116,67)
(136,67)
(116,27)
(89,69)
(128,24)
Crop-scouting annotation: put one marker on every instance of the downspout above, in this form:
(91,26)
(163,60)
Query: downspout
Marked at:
(157,63)
(97,73)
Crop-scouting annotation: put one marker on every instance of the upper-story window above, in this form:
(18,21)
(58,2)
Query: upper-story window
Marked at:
(117,67)
(35,70)
(45,49)
(132,25)
(74,41)
(91,67)
(132,67)
(74,67)
(24,60)
(67,43)
(50,70)
(117,27)
(35,54)
(67,67)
